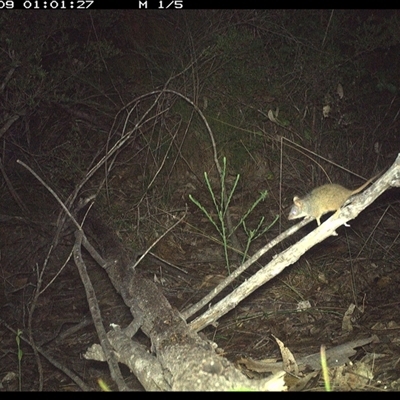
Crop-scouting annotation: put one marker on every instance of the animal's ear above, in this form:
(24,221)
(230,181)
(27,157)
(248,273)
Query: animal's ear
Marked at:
(296,201)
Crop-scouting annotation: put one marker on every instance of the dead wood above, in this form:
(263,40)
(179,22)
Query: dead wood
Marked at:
(180,359)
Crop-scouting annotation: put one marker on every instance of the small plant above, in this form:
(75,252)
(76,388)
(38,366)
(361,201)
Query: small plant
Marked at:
(222,206)
(325,370)
(20,354)
(103,385)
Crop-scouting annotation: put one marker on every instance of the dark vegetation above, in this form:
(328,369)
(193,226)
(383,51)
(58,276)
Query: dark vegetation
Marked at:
(294,99)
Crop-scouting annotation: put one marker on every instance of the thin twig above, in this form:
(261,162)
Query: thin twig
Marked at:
(157,240)
(11,188)
(51,191)
(75,378)
(96,314)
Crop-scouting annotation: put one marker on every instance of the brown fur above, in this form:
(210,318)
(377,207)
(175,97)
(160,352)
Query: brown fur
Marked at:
(322,200)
